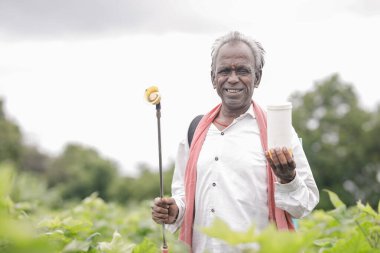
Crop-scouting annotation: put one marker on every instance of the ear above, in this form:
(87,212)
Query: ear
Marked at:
(213,79)
(257,78)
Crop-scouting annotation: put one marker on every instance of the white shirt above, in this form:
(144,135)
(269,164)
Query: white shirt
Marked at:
(232,182)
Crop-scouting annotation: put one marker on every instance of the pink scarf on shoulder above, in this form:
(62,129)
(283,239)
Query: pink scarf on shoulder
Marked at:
(281,218)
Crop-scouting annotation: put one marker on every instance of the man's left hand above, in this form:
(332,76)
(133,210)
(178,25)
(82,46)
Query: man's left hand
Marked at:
(282,164)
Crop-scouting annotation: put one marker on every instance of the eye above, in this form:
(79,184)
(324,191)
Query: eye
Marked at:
(243,71)
(224,72)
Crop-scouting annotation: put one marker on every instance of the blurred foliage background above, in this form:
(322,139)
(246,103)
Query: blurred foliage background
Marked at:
(340,139)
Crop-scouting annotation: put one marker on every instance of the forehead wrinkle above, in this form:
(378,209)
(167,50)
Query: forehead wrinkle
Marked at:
(234,65)
(234,62)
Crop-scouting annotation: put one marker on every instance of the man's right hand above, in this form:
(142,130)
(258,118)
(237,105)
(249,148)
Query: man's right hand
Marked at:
(164,210)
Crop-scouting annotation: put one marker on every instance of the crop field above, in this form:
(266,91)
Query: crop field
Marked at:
(93,225)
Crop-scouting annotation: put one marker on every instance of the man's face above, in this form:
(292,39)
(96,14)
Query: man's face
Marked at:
(234,75)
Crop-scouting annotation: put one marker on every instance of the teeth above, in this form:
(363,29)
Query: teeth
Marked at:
(232,90)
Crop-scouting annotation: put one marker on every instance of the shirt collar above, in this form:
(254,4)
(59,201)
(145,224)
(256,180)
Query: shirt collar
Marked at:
(248,113)
(251,112)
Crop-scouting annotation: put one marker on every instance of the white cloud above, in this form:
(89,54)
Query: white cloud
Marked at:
(51,19)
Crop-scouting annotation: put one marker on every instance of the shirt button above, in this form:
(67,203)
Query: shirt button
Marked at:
(222,133)
(216,158)
(214,184)
(212,210)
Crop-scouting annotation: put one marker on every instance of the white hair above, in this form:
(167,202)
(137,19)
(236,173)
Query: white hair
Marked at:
(235,36)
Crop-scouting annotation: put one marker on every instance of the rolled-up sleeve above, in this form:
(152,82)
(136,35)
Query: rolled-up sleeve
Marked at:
(178,188)
(300,196)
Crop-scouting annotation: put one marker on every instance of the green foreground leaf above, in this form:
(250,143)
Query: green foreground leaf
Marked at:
(335,200)
(220,230)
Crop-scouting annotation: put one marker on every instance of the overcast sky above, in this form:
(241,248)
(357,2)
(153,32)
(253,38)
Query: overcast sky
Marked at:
(76,70)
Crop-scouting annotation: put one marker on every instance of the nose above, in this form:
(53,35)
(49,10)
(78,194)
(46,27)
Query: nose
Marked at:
(233,78)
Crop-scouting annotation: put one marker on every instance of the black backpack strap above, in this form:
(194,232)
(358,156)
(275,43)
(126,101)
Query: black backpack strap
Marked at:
(193,125)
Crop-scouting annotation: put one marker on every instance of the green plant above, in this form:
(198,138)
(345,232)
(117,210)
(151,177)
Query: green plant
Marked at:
(343,229)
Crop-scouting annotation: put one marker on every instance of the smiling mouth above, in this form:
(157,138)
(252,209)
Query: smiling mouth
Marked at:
(233,91)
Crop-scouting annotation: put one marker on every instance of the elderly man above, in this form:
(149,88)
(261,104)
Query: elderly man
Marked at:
(228,171)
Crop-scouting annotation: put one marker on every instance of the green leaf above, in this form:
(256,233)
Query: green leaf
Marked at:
(324,242)
(355,243)
(271,240)
(50,223)
(220,230)
(6,180)
(335,200)
(116,245)
(367,209)
(145,247)
(75,226)
(76,246)
(93,236)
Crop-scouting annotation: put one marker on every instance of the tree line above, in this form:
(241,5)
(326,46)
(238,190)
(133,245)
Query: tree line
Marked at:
(75,173)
